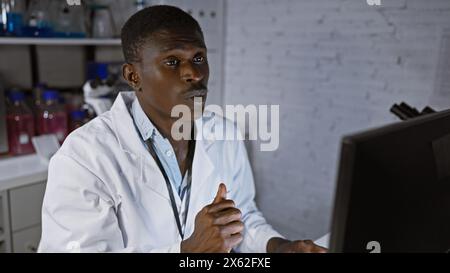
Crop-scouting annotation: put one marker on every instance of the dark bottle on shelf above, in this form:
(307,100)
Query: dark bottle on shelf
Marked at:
(77,119)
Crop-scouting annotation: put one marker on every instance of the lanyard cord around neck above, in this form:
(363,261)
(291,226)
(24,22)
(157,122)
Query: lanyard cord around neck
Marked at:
(190,158)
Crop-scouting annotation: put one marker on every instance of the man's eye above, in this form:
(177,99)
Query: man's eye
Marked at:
(172,62)
(199,59)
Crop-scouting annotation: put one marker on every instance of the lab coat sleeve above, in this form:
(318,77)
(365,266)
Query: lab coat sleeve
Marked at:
(257,231)
(79,212)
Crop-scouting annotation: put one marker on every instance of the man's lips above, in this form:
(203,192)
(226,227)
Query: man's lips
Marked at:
(195,93)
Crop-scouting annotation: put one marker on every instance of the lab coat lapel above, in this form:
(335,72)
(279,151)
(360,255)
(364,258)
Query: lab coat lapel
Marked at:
(129,140)
(203,169)
(149,173)
(202,166)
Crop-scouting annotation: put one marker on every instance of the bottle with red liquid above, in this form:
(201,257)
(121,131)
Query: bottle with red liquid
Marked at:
(20,124)
(52,117)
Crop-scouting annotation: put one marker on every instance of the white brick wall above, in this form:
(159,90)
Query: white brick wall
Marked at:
(334,67)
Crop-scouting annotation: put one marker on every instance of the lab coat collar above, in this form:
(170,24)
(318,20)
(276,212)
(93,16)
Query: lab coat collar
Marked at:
(123,125)
(129,138)
(129,141)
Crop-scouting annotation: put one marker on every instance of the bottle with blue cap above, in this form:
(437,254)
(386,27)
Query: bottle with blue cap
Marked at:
(12,15)
(77,119)
(52,117)
(20,124)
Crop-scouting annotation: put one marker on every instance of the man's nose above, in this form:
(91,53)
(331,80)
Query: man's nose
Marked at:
(191,73)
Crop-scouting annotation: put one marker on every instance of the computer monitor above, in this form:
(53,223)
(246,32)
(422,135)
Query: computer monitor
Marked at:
(393,188)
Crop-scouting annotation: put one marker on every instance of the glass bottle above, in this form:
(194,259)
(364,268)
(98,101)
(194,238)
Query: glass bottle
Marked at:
(38,23)
(20,124)
(77,119)
(103,25)
(52,118)
(14,10)
(68,21)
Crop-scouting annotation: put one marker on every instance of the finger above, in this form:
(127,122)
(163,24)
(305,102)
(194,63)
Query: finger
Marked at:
(226,216)
(224,204)
(319,249)
(308,246)
(233,240)
(221,193)
(232,228)
(315,248)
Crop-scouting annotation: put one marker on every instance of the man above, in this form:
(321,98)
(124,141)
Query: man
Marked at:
(123,183)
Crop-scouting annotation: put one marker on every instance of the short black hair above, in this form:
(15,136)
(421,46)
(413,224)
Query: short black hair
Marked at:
(143,24)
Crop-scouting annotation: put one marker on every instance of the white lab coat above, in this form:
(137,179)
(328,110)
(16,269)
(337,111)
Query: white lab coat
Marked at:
(105,192)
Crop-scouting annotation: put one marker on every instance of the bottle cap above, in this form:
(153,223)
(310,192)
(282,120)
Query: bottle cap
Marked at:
(16,95)
(78,115)
(50,95)
(41,85)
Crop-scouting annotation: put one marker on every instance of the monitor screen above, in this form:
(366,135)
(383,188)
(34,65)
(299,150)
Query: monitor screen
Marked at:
(393,188)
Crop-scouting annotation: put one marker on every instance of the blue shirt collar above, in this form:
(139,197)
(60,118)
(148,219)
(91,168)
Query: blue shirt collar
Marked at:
(143,123)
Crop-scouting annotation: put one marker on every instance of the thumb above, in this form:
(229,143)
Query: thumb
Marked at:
(221,193)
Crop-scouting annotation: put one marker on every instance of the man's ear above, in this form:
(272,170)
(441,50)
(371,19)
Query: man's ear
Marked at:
(130,74)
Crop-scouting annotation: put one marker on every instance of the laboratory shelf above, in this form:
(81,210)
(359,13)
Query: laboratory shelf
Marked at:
(59,41)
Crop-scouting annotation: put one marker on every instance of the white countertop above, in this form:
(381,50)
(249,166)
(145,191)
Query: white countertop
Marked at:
(22,170)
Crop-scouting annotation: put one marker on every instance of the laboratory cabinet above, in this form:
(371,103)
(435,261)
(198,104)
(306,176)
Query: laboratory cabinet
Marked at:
(22,187)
